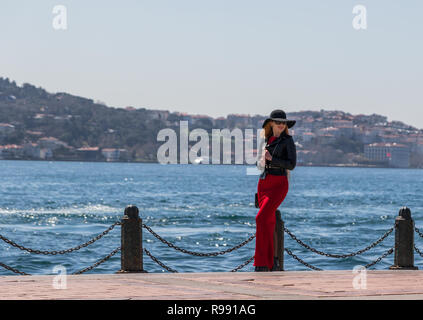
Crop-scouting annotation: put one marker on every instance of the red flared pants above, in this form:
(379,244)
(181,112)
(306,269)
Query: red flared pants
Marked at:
(271,191)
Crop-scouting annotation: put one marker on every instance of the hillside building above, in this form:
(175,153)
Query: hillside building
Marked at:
(391,154)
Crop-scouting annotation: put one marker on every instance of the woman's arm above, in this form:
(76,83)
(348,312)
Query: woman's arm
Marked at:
(291,160)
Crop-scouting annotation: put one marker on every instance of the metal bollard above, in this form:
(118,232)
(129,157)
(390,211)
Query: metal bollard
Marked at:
(131,241)
(280,239)
(404,241)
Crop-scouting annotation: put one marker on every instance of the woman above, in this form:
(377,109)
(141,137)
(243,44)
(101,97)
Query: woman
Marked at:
(278,157)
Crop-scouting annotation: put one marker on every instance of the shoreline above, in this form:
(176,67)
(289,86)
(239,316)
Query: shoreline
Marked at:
(205,164)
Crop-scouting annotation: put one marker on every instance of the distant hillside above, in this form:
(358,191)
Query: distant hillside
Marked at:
(77,121)
(37,124)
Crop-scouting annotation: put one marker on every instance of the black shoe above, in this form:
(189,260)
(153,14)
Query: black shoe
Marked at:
(261,269)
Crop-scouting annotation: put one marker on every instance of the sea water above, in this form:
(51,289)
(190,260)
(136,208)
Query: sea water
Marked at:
(203,208)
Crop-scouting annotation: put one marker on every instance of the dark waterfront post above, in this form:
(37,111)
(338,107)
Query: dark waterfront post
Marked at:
(131,241)
(280,236)
(404,241)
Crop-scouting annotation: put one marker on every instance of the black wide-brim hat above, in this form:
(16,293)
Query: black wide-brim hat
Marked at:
(279,115)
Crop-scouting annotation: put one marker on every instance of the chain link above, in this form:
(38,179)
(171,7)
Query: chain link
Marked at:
(374,244)
(14,244)
(301,261)
(158,262)
(387,253)
(198,254)
(242,265)
(418,231)
(99,262)
(418,251)
(13,269)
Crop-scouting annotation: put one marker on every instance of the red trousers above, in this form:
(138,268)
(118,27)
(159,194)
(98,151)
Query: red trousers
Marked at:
(271,191)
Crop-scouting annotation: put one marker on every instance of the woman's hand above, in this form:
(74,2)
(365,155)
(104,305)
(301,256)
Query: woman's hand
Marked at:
(267,155)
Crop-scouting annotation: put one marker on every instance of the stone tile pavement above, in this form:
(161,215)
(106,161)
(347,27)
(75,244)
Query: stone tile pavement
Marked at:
(287,285)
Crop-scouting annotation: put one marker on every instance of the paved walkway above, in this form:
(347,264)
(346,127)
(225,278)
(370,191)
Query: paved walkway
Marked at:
(288,285)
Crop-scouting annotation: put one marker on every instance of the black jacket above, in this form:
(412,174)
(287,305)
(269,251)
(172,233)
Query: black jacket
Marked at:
(284,155)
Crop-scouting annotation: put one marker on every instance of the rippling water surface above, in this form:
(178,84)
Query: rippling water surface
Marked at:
(203,208)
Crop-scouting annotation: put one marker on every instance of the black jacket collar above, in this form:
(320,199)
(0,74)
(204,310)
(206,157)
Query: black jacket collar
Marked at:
(282,136)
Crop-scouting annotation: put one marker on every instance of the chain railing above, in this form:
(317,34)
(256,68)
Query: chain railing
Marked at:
(131,220)
(86,244)
(198,254)
(301,261)
(99,262)
(403,248)
(415,248)
(288,251)
(159,262)
(174,271)
(13,269)
(339,256)
(42,252)
(387,253)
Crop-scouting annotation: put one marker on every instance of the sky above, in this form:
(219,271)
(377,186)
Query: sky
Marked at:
(218,57)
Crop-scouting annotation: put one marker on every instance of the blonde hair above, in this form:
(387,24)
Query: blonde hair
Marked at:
(267,132)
